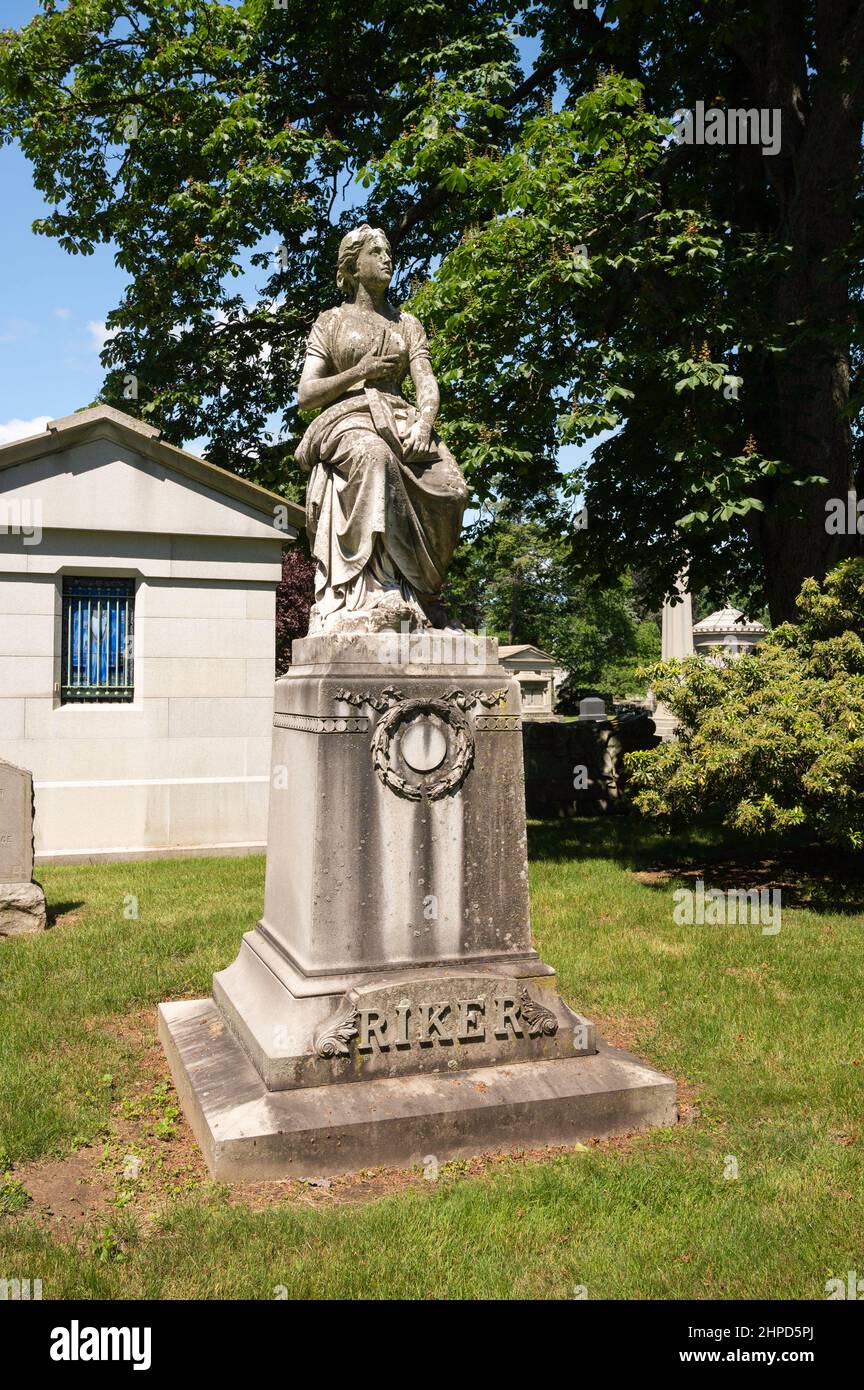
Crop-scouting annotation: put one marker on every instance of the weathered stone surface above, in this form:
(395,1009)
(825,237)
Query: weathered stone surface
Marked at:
(385,497)
(394,952)
(249,1133)
(16,824)
(412,652)
(407,1022)
(22,908)
(22,903)
(397,876)
(375,864)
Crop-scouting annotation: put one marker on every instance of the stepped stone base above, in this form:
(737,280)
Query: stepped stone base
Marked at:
(390,1004)
(248,1133)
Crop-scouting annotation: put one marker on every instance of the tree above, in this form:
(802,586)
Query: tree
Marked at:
(581,271)
(516,580)
(775,739)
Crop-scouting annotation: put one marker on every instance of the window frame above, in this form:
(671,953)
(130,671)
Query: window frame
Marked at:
(72,694)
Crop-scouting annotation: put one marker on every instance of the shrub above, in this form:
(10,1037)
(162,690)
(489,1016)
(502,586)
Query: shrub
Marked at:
(775,738)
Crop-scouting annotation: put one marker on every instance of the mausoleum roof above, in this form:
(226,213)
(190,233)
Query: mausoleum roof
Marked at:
(527,651)
(106,422)
(727,620)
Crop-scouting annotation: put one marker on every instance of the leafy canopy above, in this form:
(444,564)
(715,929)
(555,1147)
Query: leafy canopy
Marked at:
(516,580)
(580,272)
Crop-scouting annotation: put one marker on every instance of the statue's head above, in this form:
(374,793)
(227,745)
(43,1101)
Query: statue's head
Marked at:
(365,258)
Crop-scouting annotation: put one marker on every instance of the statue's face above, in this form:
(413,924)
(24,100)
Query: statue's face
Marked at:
(375,263)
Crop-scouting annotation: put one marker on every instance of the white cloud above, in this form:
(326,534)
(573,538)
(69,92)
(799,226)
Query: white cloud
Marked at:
(21,429)
(99,334)
(63,313)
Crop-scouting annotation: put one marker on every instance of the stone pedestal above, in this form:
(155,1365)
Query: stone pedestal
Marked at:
(391,980)
(22,902)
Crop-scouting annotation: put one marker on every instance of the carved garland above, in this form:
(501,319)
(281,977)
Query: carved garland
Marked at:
(333,1036)
(466,698)
(537,1016)
(396,711)
(390,696)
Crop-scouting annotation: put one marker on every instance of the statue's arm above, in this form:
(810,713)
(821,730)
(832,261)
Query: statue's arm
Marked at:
(426,387)
(319,386)
(428,402)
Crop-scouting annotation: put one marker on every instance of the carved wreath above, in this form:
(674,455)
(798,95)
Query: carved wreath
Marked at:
(435,787)
(396,711)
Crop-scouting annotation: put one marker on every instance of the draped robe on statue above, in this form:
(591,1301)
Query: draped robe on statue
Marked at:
(378,525)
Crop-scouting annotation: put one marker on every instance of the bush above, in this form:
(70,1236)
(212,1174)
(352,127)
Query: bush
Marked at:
(775,738)
(294,598)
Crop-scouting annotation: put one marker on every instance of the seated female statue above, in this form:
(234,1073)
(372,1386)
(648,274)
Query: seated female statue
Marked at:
(385,497)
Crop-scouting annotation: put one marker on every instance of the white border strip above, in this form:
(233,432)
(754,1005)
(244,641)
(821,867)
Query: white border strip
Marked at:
(121,852)
(155,782)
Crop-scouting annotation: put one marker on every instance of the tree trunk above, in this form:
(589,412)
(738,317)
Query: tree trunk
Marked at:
(814,437)
(813,178)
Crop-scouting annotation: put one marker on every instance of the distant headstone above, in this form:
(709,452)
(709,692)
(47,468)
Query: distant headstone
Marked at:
(16,824)
(22,902)
(592,708)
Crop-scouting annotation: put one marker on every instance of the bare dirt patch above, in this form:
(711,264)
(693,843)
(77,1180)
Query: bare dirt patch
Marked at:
(150,1157)
(66,1192)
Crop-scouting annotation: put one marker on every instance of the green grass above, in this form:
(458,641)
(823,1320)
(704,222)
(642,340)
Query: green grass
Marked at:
(764,1030)
(58,1069)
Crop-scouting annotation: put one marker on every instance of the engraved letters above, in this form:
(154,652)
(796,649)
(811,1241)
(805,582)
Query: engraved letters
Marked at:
(445,1022)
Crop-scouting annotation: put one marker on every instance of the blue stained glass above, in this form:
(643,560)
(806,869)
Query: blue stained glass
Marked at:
(97,659)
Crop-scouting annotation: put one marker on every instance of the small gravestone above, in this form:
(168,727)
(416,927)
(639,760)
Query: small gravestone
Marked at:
(22,902)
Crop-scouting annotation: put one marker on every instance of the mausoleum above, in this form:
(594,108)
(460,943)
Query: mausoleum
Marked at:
(728,632)
(137,638)
(535,670)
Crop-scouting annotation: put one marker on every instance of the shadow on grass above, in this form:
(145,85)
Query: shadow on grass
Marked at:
(57,911)
(809,875)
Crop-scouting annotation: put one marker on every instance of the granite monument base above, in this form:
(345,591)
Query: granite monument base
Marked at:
(248,1133)
(390,1002)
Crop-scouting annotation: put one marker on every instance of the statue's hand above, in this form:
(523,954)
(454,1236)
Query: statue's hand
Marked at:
(418,440)
(371,367)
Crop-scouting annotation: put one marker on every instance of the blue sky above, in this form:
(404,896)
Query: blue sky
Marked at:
(53,305)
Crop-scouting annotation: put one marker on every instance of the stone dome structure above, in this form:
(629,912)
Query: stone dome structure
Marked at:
(727,633)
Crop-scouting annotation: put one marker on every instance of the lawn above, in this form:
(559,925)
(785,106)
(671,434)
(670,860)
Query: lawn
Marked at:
(104,1193)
